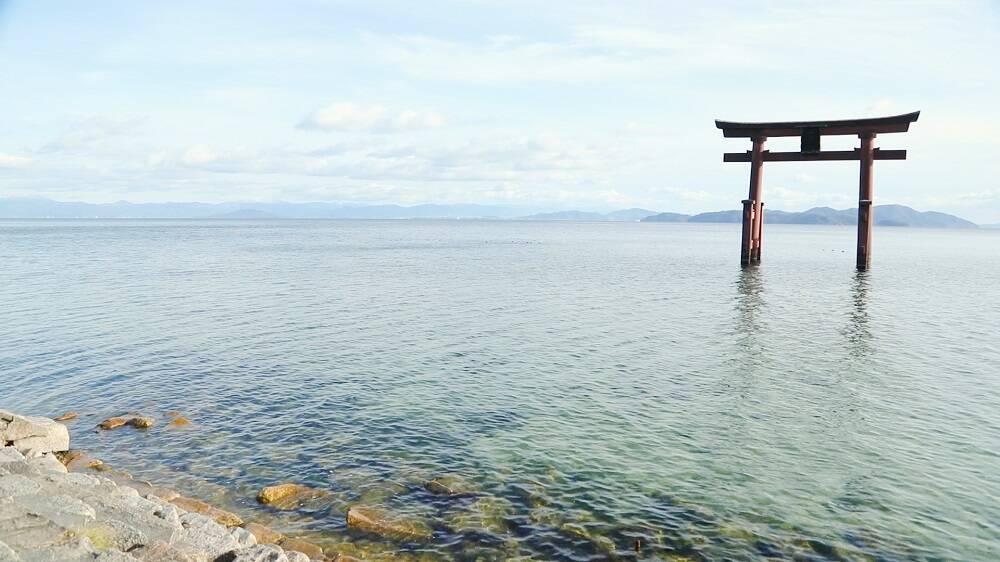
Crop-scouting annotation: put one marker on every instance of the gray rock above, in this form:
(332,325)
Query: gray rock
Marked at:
(21,530)
(64,511)
(114,556)
(76,550)
(160,551)
(34,436)
(19,468)
(10,454)
(169,513)
(47,463)
(243,537)
(144,515)
(7,554)
(296,556)
(113,534)
(202,534)
(18,485)
(256,553)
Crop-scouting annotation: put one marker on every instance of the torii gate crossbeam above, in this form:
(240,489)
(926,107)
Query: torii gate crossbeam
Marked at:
(810,132)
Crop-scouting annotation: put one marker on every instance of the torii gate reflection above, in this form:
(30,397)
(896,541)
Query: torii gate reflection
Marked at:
(810,133)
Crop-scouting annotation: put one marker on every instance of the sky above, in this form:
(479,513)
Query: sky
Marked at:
(566,104)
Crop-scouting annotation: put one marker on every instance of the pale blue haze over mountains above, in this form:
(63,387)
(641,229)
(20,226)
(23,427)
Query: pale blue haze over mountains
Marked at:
(37,208)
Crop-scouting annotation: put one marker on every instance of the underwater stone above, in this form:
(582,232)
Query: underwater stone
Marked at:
(376,522)
(449,486)
(112,423)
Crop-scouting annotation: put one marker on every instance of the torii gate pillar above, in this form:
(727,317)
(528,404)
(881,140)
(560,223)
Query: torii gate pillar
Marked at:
(810,132)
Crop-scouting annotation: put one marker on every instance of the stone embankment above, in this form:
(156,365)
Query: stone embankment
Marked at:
(48,514)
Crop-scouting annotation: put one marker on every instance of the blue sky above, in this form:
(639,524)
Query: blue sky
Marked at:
(591,105)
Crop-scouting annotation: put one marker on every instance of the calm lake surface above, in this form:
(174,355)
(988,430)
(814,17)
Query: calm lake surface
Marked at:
(596,385)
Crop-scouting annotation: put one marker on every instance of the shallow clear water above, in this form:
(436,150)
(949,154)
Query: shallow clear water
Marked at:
(597,385)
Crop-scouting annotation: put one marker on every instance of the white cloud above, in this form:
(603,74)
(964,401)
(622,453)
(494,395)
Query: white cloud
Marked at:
(94,132)
(13,161)
(344,116)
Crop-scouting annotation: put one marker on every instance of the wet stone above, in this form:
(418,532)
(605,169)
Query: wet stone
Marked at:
(298,545)
(112,423)
(220,516)
(264,534)
(287,496)
(180,421)
(67,416)
(141,422)
(377,522)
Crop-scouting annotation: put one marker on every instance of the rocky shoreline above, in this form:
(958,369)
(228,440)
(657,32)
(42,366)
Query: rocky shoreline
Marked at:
(51,513)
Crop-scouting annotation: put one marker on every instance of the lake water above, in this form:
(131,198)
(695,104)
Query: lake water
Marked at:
(606,391)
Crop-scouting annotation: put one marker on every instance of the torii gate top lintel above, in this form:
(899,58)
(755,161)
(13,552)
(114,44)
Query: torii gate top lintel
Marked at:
(810,133)
(892,124)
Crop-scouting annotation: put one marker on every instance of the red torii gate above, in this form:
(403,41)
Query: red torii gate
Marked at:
(810,133)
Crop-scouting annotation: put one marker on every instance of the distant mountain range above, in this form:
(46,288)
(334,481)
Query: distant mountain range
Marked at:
(39,208)
(885,215)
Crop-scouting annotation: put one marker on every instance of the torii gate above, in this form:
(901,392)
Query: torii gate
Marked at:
(810,133)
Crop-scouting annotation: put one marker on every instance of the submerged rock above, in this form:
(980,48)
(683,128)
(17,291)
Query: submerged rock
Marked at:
(67,416)
(287,496)
(179,421)
(112,423)
(486,514)
(141,422)
(449,486)
(377,522)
